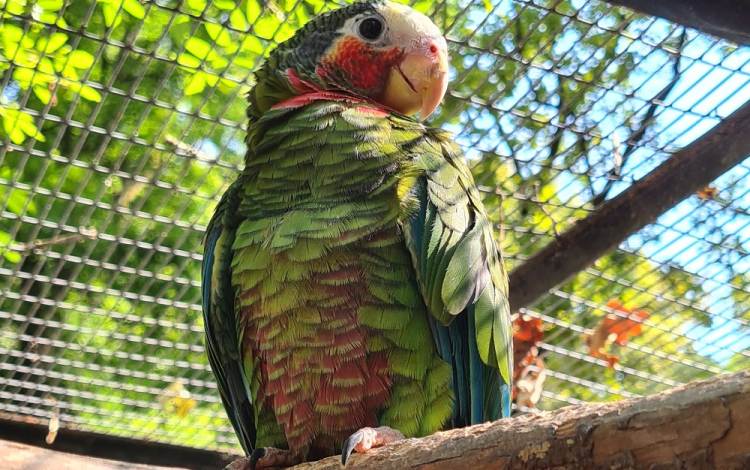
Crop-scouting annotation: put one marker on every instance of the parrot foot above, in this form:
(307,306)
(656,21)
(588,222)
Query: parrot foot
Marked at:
(368,438)
(265,458)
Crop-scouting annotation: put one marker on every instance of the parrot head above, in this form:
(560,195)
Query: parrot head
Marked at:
(383,51)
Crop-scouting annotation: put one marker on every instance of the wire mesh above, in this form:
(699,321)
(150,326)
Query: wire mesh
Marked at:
(122,126)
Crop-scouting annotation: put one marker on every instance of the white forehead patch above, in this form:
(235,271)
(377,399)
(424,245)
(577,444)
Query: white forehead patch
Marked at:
(407,20)
(402,25)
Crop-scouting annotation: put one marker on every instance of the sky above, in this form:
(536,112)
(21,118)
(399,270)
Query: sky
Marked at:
(712,84)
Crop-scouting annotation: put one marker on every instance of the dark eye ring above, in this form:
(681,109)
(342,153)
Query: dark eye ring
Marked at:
(371,28)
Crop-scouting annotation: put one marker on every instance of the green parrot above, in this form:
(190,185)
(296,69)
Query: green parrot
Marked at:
(353,293)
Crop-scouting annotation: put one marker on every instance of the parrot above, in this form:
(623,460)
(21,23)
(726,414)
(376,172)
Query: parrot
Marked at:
(353,292)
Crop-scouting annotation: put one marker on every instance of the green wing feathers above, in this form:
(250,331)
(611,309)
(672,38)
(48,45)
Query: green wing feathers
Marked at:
(461,272)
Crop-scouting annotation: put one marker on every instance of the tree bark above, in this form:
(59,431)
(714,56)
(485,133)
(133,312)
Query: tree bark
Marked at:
(15,456)
(700,426)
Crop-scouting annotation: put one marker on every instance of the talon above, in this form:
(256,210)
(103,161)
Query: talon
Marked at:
(368,438)
(256,455)
(267,457)
(349,445)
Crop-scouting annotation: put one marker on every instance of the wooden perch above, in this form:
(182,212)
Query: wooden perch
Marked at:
(15,456)
(702,425)
(699,426)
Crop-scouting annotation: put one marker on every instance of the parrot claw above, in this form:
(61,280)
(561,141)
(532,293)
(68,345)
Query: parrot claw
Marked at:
(368,438)
(255,456)
(265,457)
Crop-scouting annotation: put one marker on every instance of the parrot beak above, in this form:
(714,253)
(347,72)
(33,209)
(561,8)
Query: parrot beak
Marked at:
(419,81)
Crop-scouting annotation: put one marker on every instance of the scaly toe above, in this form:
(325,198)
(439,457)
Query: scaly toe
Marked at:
(270,457)
(368,438)
(240,464)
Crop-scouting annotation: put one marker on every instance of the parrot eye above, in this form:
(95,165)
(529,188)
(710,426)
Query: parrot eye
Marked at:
(371,28)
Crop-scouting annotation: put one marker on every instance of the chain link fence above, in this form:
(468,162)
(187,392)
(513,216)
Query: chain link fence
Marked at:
(123,125)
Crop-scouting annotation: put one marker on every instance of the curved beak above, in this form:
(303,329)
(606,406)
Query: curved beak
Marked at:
(419,81)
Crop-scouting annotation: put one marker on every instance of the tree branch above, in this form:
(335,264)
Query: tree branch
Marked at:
(703,425)
(726,19)
(683,174)
(15,456)
(637,135)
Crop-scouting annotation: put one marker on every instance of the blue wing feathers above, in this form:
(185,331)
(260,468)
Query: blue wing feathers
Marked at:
(207,268)
(480,393)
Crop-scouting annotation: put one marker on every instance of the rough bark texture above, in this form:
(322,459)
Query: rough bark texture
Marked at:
(701,426)
(15,456)
(33,431)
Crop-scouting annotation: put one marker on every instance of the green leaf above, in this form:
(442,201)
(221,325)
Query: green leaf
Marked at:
(12,33)
(199,5)
(285,32)
(19,124)
(246,62)
(90,94)
(27,126)
(200,49)
(252,11)
(252,44)
(12,37)
(11,51)
(11,256)
(224,4)
(69,72)
(43,93)
(50,5)
(85,91)
(20,200)
(17,136)
(135,9)
(54,43)
(81,59)
(188,60)
(195,84)
(23,76)
(218,33)
(219,63)
(210,79)
(24,59)
(16,7)
(238,21)
(231,48)
(228,83)
(266,27)
(111,15)
(49,17)
(47,70)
